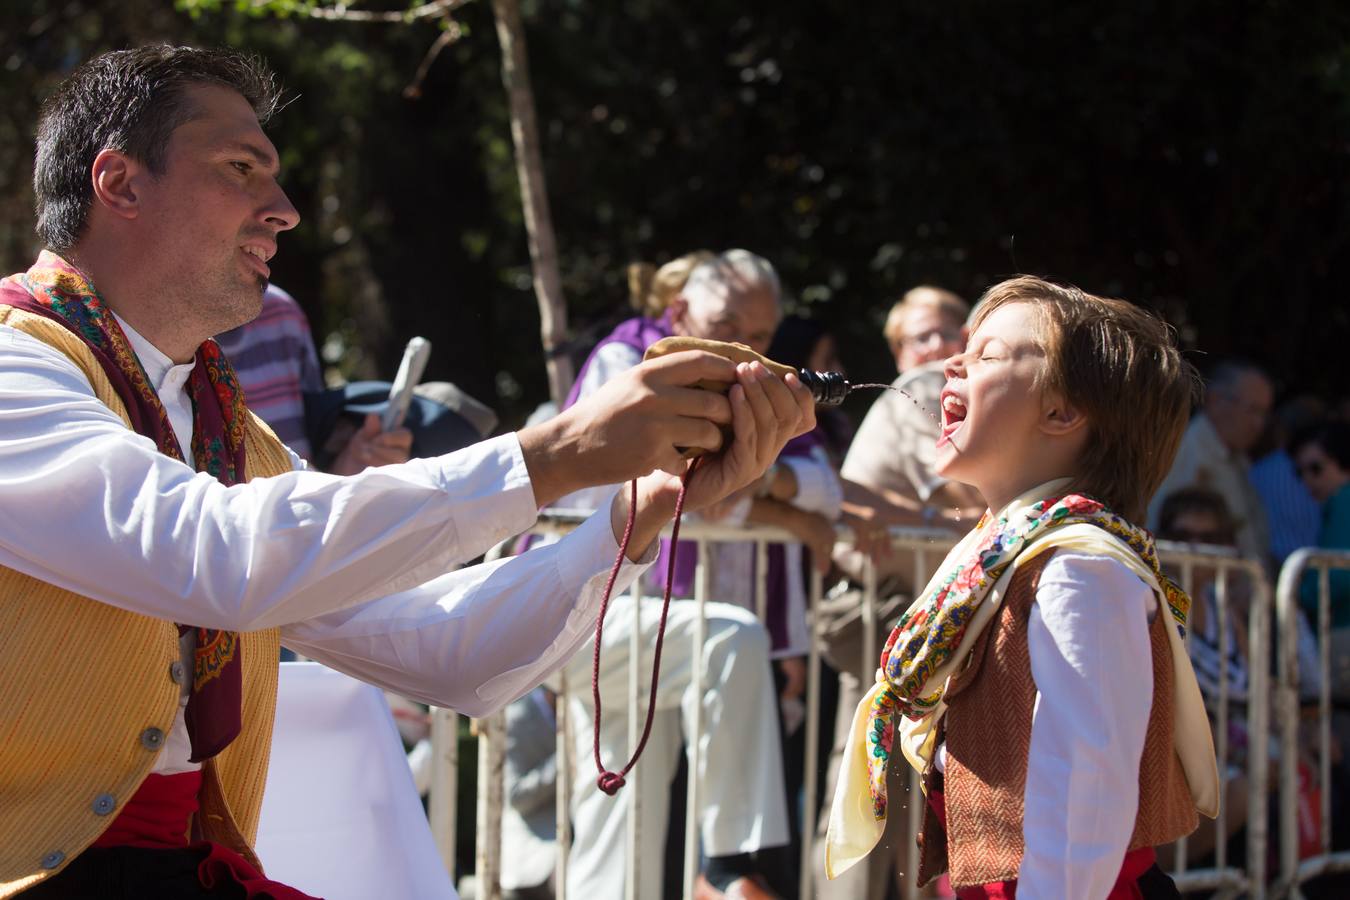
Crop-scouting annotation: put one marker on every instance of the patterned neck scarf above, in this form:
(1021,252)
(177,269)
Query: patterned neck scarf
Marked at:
(56,290)
(931,630)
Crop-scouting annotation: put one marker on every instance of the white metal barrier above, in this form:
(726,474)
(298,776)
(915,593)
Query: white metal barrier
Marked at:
(1229,572)
(1293,871)
(926,548)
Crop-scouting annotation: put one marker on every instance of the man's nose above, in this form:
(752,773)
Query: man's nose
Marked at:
(279,212)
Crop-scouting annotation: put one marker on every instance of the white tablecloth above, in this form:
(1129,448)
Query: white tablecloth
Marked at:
(341,818)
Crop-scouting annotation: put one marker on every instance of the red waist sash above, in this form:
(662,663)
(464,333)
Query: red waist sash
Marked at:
(159,816)
(1136,863)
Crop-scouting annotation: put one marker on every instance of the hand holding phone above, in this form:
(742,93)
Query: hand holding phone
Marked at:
(410,371)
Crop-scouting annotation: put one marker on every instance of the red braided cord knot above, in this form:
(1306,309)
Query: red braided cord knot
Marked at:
(610,782)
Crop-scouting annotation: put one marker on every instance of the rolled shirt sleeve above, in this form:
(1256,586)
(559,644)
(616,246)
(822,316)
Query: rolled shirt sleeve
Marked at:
(478,638)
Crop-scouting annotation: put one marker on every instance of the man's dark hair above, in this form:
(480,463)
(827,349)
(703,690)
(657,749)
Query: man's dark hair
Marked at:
(131,101)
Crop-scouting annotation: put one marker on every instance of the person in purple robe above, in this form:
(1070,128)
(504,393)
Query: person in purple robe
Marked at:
(733,296)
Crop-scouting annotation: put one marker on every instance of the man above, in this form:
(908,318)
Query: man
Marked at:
(927,324)
(1213,453)
(893,451)
(1291,512)
(731,297)
(275,361)
(277,368)
(128,571)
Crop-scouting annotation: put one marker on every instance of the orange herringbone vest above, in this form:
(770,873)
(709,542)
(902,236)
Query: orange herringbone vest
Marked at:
(988,734)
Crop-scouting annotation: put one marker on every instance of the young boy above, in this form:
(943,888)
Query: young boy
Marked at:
(1040,683)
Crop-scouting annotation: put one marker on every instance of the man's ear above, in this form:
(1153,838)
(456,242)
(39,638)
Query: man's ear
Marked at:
(116,178)
(1059,416)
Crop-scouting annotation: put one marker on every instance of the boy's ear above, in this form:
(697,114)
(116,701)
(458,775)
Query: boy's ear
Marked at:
(1059,416)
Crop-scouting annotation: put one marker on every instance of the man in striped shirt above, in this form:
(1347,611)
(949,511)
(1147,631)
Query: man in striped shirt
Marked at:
(276,364)
(274,359)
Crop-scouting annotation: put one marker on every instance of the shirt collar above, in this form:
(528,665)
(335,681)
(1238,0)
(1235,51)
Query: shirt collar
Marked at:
(165,375)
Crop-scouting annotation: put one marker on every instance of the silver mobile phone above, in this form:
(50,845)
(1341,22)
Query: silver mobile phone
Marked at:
(409,374)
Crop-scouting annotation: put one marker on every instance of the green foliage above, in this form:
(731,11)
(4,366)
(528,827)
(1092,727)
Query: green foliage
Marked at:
(255,8)
(1187,155)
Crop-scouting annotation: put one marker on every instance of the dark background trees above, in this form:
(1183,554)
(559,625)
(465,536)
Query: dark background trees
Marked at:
(1190,156)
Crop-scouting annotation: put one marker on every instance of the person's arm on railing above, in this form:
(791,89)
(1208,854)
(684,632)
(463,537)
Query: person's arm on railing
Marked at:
(813,530)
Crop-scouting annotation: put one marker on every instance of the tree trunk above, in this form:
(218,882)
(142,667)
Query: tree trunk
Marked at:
(534,197)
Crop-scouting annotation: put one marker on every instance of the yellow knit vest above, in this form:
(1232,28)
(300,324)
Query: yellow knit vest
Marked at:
(85,687)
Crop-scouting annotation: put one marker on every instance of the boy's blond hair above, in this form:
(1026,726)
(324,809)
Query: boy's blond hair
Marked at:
(1119,365)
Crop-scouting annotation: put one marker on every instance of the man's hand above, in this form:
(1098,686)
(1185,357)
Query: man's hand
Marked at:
(631,426)
(766,411)
(369,446)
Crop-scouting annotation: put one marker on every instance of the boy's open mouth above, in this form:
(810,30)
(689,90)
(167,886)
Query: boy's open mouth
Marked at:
(953,414)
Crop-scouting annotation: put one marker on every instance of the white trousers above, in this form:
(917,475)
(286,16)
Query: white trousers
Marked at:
(741,802)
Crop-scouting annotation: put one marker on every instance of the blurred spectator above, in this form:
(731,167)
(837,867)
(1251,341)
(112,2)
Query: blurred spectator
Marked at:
(927,325)
(1213,452)
(344,424)
(804,343)
(274,359)
(1199,515)
(1293,514)
(651,290)
(894,450)
(278,369)
(889,479)
(529,818)
(1322,456)
(731,297)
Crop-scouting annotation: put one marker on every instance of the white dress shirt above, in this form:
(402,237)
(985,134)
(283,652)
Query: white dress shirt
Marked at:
(356,571)
(1091,659)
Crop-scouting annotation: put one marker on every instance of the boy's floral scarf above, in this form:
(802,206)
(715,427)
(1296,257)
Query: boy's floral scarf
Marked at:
(929,632)
(56,290)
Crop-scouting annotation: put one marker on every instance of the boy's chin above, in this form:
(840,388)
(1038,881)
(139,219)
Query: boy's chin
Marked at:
(948,462)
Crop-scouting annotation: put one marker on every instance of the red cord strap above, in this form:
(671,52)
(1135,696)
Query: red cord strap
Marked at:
(610,782)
